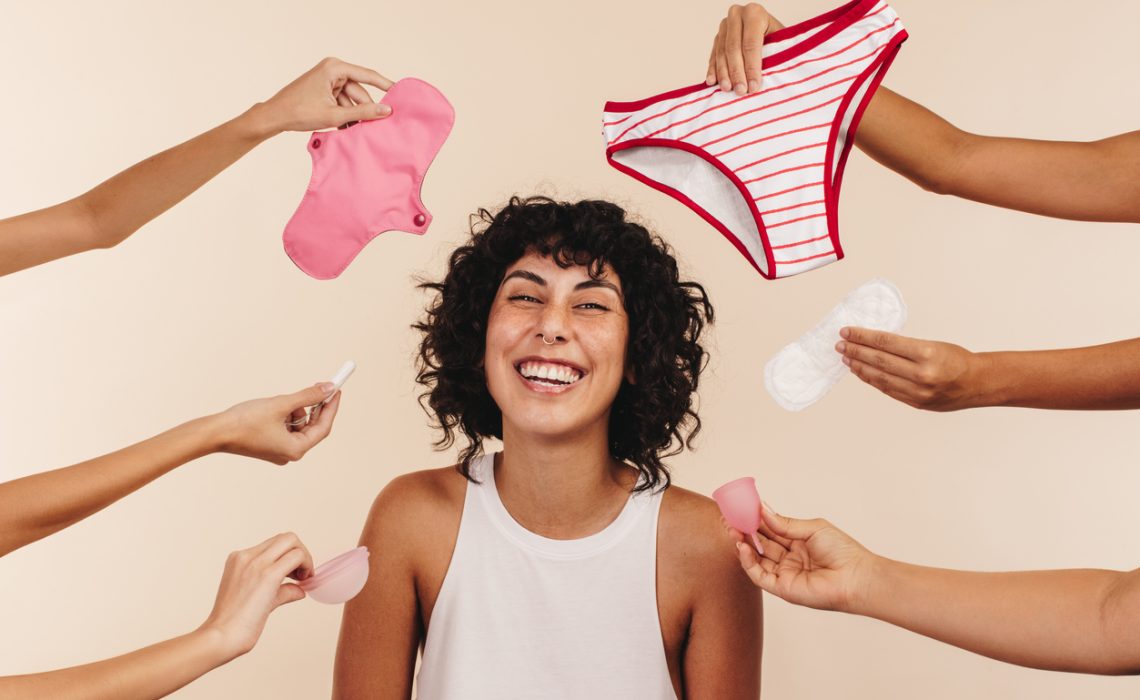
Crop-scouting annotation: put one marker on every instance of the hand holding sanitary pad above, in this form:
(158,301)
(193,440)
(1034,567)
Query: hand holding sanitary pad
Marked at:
(804,371)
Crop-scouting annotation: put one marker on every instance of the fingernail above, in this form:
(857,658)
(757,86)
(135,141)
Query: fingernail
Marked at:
(847,360)
(710,80)
(753,85)
(725,85)
(767,507)
(738,88)
(327,387)
(840,346)
(383,109)
(844,332)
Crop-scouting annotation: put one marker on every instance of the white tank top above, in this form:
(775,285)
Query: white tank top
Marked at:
(523,616)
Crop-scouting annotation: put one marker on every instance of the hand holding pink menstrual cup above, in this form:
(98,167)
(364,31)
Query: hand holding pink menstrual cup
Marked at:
(338,580)
(740,505)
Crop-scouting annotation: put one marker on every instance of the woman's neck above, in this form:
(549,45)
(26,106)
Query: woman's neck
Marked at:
(561,489)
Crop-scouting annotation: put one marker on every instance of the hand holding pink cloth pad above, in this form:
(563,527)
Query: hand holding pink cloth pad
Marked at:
(366,180)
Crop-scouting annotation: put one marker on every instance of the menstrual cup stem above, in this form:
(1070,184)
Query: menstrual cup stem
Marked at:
(756,541)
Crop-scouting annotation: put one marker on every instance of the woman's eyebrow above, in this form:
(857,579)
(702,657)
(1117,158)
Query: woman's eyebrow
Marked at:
(526,275)
(585,284)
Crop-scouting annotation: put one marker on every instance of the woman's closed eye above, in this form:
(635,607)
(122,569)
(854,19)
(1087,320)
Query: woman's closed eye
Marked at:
(523,297)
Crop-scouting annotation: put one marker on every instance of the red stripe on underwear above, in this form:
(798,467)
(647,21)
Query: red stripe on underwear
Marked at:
(781,172)
(790,189)
(619,121)
(769,138)
(778,155)
(799,243)
(771,121)
(773,89)
(794,206)
(712,92)
(810,257)
(792,221)
(751,111)
(772,72)
(842,50)
(744,97)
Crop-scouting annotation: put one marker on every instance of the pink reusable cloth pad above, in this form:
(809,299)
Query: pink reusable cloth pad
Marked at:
(367,178)
(339,579)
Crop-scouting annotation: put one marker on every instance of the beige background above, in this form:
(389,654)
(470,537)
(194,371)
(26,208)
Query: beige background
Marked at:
(203,309)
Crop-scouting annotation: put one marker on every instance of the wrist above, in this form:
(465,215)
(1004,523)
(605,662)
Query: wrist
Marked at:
(871,578)
(217,646)
(990,385)
(257,123)
(217,432)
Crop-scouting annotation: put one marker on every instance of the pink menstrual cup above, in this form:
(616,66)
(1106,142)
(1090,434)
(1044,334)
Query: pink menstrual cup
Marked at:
(338,580)
(740,505)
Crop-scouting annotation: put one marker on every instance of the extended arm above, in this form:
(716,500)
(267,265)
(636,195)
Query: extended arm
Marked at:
(35,506)
(1088,181)
(946,377)
(1081,620)
(250,590)
(328,95)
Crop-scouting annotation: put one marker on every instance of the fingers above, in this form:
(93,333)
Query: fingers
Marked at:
(791,528)
(721,63)
(902,346)
(734,57)
(710,74)
(319,429)
(761,571)
(363,75)
(310,396)
(358,94)
(288,593)
(755,25)
(365,112)
(894,387)
(879,359)
(296,420)
(284,554)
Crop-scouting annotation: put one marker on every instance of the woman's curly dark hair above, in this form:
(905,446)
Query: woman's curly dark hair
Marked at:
(666,317)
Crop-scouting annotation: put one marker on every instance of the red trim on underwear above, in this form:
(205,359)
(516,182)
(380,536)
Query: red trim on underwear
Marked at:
(765,245)
(833,181)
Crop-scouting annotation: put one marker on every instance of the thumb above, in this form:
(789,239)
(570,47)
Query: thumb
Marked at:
(288,593)
(309,396)
(363,112)
(791,528)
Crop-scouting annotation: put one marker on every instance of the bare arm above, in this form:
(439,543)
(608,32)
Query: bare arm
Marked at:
(722,650)
(250,590)
(945,377)
(1086,181)
(36,506)
(328,95)
(1081,620)
(376,660)
(1093,181)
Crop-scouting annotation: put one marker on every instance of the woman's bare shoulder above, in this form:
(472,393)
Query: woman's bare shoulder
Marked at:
(416,506)
(691,536)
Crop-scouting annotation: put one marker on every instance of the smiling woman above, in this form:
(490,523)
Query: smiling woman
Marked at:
(564,565)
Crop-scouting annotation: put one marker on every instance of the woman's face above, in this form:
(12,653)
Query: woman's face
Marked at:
(568,382)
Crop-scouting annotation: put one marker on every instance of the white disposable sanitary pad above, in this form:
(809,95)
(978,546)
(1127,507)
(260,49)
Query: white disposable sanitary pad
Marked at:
(804,371)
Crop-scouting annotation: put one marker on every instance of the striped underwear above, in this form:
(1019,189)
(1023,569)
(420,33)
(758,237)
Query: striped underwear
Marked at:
(769,164)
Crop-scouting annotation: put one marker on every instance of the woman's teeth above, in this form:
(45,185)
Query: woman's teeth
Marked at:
(549,373)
